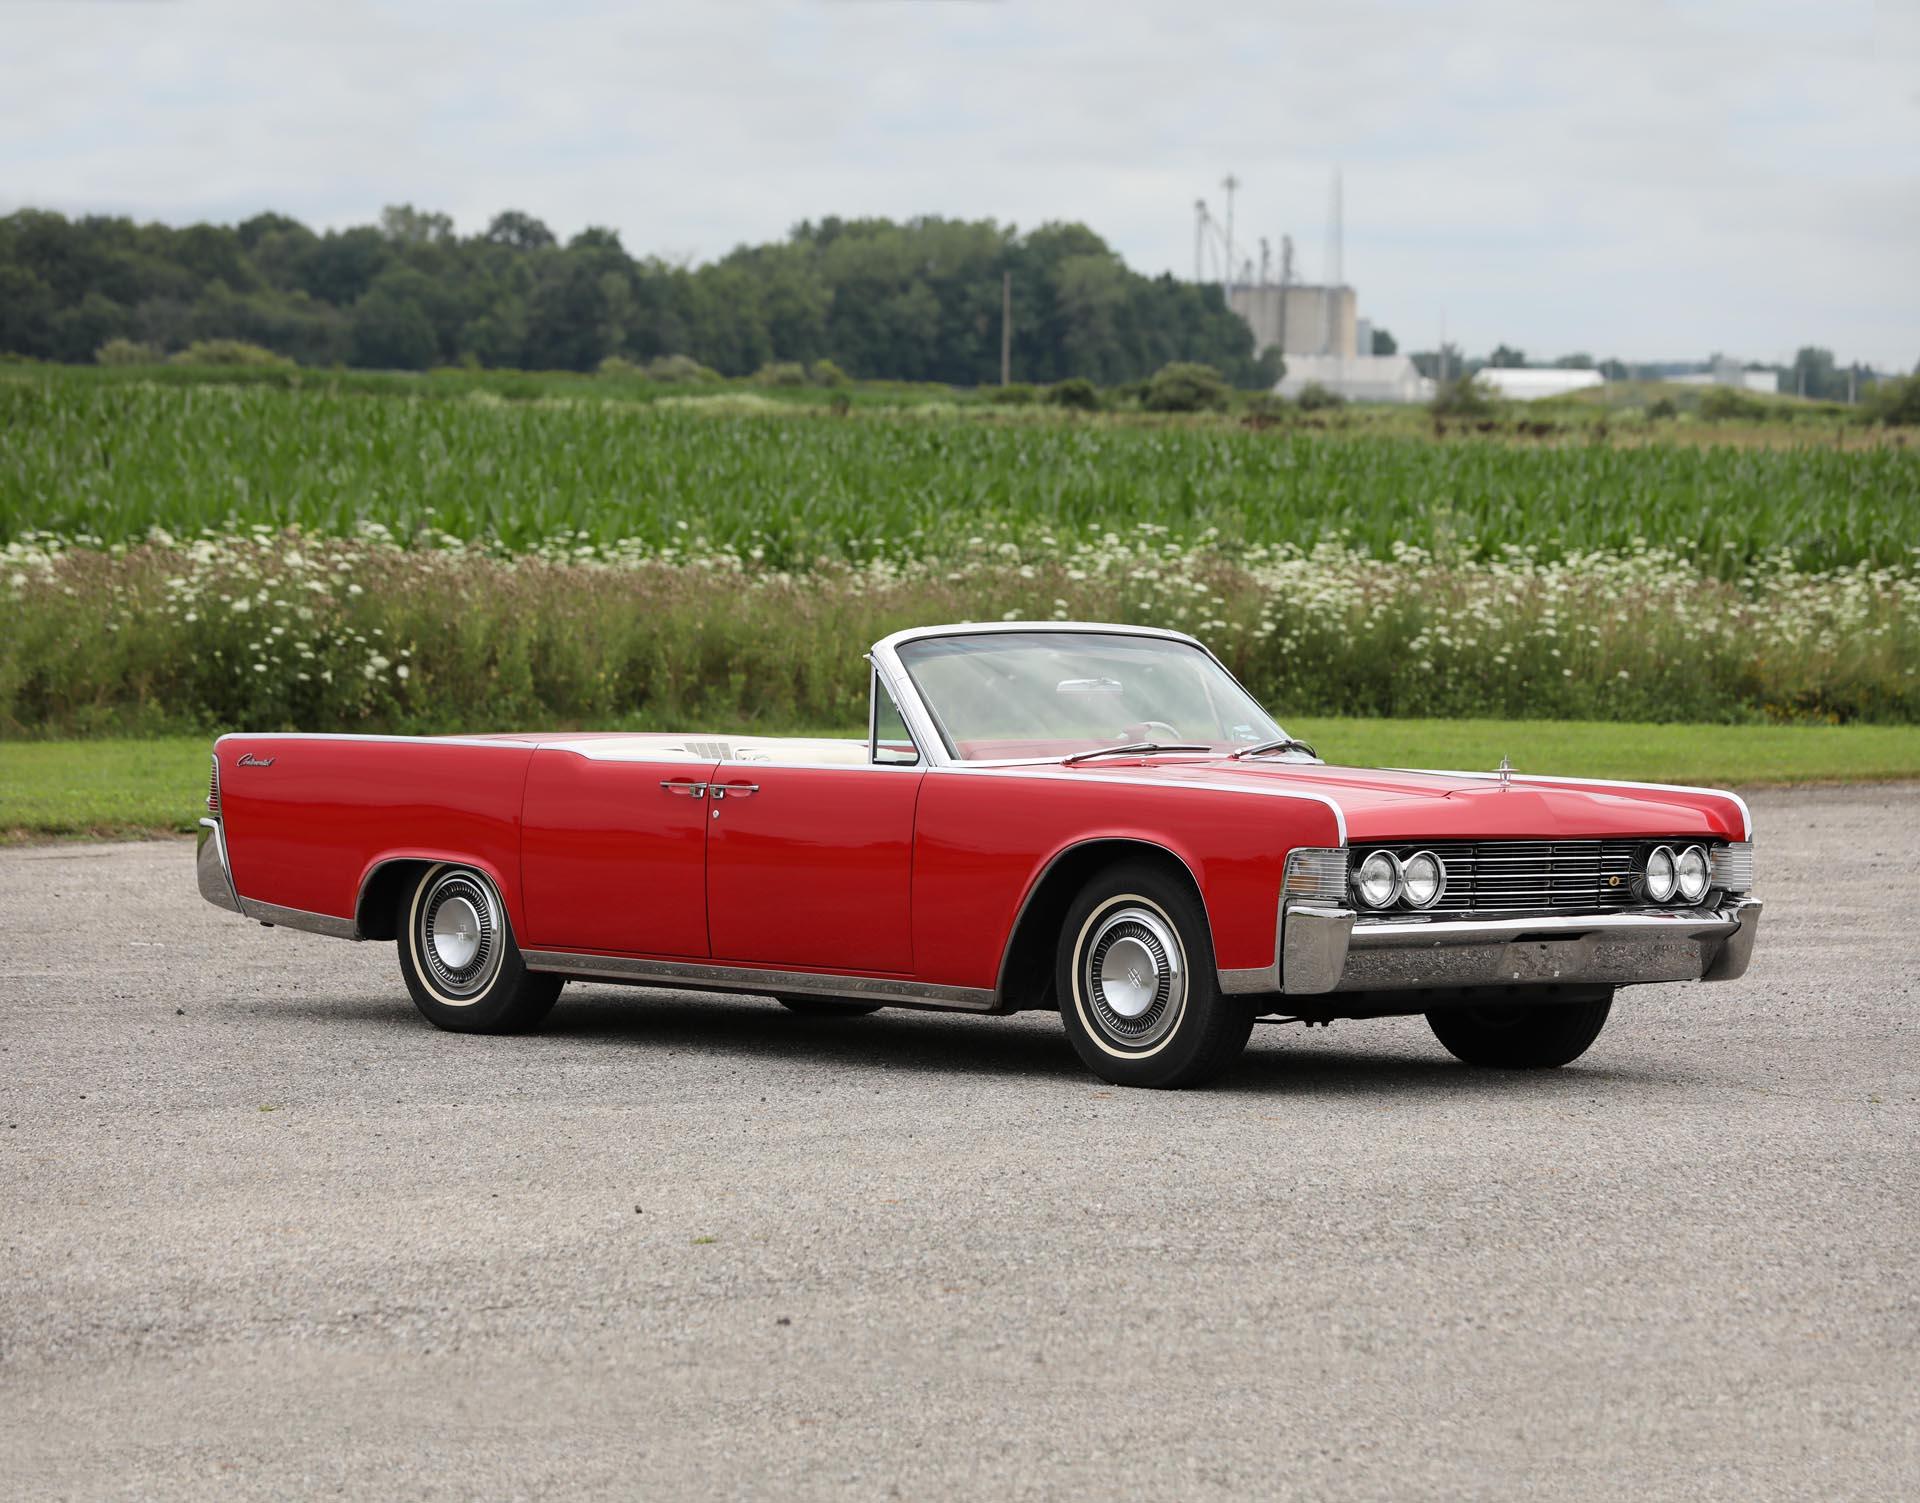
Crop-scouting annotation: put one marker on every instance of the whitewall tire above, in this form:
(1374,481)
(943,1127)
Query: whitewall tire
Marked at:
(459,959)
(1137,986)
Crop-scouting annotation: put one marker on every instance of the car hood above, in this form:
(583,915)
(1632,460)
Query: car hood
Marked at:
(1380,804)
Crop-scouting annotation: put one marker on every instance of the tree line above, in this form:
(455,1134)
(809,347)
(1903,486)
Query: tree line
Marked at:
(912,301)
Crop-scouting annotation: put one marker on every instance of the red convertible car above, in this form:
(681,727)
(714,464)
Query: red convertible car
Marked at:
(1041,815)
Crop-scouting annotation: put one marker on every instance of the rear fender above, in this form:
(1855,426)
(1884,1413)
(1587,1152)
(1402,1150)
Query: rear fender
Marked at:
(381,883)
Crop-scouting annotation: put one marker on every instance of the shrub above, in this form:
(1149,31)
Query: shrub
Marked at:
(229,352)
(781,373)
(1469,396)
(1314,397)
(1722,403)
(1895,402)
(1016,394)
(1265,409)
(127,352)
(1185,386)
(680,368)
(617,365)
(1076,392)
(1660,408)
(826,373)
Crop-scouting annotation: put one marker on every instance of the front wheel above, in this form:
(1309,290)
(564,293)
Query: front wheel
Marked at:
(460,962)
(1138,991)
(1521,1035)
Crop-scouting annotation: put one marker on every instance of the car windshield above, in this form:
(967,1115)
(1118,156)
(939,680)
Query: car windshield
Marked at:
(1060,693)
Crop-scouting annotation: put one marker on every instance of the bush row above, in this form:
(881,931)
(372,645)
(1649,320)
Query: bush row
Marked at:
(286,630)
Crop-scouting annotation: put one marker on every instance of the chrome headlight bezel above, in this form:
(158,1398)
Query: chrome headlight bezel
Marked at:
(1408,879)
(1660,875)
(1693,874)
(1378,865)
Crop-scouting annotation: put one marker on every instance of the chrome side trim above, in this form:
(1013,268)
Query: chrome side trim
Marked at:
(211,870)
(1738,950)
(891,991)
(510,744)
(300,918)
(1053,772)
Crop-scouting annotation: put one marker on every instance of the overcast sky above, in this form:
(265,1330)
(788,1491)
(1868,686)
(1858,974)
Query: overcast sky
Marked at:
(1652,180)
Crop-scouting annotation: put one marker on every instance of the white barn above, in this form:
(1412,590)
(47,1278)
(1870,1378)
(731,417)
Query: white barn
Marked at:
(1525,384)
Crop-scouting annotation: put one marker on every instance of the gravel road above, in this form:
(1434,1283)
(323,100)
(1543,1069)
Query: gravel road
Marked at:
(265,1233)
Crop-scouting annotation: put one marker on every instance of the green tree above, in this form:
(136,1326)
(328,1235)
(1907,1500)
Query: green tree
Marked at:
(390,332)
(1505,356)
(518,231)
(1384,343)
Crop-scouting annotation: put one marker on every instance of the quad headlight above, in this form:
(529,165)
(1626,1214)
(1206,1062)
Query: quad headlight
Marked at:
(1693,873)
(1662,879)
(1377,881)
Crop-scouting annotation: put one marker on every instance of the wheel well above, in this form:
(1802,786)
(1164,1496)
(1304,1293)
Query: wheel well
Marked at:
(1026,970)
(377,914)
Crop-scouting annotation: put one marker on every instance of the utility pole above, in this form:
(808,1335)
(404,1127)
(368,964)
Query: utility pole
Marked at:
(1006,328)
(1230,184)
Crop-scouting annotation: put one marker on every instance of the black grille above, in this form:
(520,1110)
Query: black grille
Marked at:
(1530,876)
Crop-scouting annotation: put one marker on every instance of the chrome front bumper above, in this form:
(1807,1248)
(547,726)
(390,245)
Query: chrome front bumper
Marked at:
(1330,949)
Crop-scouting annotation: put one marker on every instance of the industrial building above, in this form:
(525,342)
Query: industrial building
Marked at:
(1298,318)
(1725,372)
(1528,383)
(1358,378)
(1316,326)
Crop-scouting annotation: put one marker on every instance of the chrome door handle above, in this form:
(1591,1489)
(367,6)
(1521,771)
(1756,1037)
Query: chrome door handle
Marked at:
(695,790)
(738,790)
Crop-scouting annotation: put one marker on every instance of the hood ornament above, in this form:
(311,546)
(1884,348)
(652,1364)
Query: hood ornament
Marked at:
(1505,769)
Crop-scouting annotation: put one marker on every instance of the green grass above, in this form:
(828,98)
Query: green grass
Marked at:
(85,456)
(1711,755)
(53,789)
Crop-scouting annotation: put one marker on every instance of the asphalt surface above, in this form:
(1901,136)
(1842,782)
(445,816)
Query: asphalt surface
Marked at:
(265,1233)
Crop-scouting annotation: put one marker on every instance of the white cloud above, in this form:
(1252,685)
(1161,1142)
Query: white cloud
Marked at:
(1649,179)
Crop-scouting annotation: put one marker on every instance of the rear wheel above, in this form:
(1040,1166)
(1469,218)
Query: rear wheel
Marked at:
(1138,990)
(1521,1035)
(460,962)
(828,1007)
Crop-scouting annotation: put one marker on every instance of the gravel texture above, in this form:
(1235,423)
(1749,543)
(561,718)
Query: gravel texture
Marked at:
(263,1232)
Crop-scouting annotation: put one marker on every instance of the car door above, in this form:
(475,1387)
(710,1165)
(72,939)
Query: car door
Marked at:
(613,850)
(812,867)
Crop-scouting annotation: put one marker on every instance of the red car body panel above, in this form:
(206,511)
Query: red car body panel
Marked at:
(917,873)
(985,837)
(611,859)
(309,818)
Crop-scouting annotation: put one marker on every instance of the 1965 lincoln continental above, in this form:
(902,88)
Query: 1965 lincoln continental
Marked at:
(1042,814)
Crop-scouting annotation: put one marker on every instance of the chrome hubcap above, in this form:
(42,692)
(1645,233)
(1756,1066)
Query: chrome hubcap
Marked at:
(459,936)
(456,933)
(1129,976)
(1133,976)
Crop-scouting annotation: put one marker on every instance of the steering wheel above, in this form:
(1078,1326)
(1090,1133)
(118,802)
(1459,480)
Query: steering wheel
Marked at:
(1150,730)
